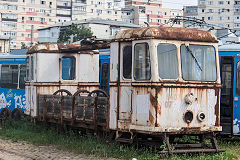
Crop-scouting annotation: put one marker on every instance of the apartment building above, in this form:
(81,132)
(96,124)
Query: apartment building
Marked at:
(150,11)
(104,9)
(64,10)
(220,13)
(20,19)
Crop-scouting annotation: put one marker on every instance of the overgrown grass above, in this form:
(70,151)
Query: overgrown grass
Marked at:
(41,135)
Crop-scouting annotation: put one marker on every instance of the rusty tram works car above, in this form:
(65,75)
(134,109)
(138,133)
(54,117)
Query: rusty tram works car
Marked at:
(164,83)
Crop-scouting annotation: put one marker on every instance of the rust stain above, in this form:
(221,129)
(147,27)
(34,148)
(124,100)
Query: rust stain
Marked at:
(151,118)
(166,33)
(153,100)
(68,48)
(217,107)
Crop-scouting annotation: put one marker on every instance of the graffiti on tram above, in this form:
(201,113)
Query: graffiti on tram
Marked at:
(12,98)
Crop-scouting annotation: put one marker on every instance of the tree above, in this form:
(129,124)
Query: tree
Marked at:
(74,33)
(23,46)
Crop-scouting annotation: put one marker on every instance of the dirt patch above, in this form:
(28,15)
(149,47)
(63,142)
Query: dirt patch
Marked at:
(10,150)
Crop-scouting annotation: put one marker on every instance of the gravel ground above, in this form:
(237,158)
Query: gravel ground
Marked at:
(10,150)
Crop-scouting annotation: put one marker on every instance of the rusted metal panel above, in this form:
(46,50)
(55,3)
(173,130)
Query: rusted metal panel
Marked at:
(67,48)
(125,103)
(67,103)
(50,73)
(87,68)
(113,108)
(165,33)
(49,105)
(88,109)
(168,106)
(102,106)
(84,107)
(142,109)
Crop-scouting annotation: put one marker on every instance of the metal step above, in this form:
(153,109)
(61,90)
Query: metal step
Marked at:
(190,145)
(124,140)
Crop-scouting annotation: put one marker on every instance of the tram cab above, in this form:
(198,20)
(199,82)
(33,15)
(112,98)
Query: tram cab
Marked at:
(164,79)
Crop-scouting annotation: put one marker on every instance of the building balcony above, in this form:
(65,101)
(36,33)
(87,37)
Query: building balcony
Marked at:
(237,12)
(154,16)
(9,19)
(10,0)
(31,13)
(63,15)
(35,22)
(64,7)
(237,3)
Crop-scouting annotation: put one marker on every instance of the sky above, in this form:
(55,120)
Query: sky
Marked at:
(178,4)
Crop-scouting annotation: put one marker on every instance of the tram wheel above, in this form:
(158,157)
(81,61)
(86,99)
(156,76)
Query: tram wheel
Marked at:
(5,113)
(79,92)
(98,92)
(61,91)
(16,114)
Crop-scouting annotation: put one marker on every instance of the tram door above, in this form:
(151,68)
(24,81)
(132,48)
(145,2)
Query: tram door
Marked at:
(227,63)
(236,97)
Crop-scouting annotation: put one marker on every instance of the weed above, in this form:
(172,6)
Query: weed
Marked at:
(42,134)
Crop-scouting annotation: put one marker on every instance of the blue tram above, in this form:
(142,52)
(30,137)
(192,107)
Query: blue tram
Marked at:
(12,92)
(230,91)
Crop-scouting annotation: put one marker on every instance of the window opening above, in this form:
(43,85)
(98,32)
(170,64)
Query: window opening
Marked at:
(22,76)
(127,62)
(104,76)
(68,68)
(198,63)
(238,79)
(9,76)
(142,70)
(167,61)
(32,68)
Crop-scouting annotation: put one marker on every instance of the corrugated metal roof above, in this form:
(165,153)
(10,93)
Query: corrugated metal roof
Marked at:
(94,21)
(229,47)
(166,33)
(19,51)
(7,55)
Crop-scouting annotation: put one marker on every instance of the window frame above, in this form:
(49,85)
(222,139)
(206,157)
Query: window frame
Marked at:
(216,65)
(178,61)
(75,65)
(238,78)
(133,61)
(123,45)
(17,78)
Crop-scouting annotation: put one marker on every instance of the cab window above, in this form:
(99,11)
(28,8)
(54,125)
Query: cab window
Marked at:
(142,70)
(127,62)
(167,61)
(68,68)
